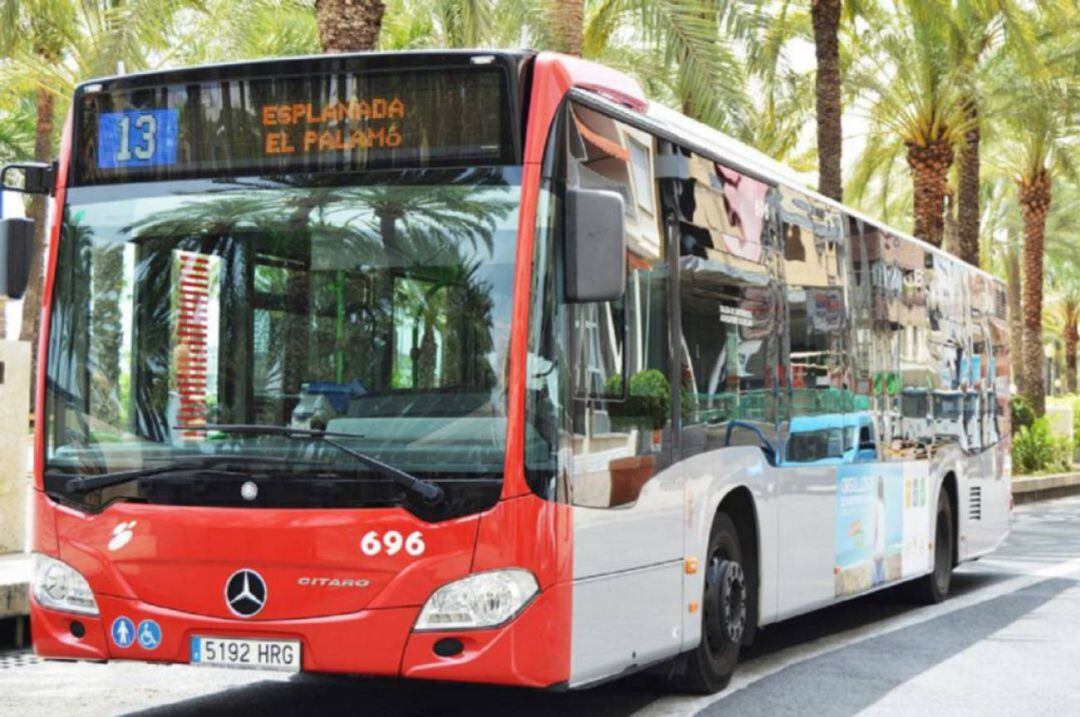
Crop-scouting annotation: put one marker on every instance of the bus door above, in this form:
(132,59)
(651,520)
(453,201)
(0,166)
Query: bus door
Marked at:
(628,504)
(728,327)
(819,428)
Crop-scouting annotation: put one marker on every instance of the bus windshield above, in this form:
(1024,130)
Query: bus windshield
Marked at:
(373,304)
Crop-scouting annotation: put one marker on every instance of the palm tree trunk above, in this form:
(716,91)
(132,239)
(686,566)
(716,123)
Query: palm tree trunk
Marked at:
(968,195)
(1016,322)
(566,22)
(349,25)
(1072,337)
(929,175)
(1035,196)
(31,320)
(830,136)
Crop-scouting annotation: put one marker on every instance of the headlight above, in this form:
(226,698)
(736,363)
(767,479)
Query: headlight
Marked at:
(58,586)
(481,600)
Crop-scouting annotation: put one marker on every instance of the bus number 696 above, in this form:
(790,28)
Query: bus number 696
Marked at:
(392,541)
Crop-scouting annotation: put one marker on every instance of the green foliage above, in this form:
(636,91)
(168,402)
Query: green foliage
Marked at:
(1023,415)
(1036,450)
(649,398)
(1076,419)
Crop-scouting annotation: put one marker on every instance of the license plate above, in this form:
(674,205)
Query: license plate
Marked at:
(254,654)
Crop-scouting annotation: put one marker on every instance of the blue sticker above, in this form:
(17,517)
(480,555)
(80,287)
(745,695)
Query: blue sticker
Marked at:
(196,652)
(137,138)
(123,631)
(149,634)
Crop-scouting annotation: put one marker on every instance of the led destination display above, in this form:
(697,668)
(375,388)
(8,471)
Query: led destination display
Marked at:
(293,124)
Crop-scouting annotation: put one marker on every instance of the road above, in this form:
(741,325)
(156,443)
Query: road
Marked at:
(1004,643)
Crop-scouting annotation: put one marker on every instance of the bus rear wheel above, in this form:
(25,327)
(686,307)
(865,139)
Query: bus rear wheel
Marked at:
(724,617)
(934,588)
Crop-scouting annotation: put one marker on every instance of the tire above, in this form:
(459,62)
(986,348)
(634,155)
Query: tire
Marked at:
(933,588)
(725,614)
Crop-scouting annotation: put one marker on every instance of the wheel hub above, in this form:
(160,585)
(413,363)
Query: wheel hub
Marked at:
(733,600)
(725,618)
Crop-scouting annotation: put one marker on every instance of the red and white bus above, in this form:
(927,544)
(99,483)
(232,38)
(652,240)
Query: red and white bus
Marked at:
(479,366)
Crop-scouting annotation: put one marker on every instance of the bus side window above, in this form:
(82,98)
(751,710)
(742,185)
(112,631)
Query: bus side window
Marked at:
(728,310)
(821,383)
(621,408)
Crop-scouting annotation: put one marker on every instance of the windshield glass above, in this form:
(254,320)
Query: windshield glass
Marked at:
(377,306)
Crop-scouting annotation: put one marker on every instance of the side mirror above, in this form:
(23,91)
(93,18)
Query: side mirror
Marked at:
(16,246)
(38,177)
(595,251)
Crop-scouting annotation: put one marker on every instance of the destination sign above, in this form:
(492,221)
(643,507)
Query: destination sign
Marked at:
(291,124)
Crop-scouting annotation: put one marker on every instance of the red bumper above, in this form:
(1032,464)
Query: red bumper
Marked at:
(371,642)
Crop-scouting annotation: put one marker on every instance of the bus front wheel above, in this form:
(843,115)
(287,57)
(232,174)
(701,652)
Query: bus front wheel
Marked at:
(724,617)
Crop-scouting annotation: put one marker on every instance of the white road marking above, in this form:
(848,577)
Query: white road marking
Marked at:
(748,674)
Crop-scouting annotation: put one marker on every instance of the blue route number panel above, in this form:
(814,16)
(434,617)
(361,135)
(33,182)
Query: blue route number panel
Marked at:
(137,138)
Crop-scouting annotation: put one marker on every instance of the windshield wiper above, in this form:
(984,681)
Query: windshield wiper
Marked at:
(193,463)
(427,490)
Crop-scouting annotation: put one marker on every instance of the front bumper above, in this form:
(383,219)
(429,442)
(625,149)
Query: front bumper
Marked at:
(377,642)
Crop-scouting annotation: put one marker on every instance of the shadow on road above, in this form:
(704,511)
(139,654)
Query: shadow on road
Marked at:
(401,698)
(854,614)
(312,694)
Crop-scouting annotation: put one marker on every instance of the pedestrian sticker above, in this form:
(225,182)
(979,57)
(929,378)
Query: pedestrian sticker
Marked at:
(123,631)
(149,634)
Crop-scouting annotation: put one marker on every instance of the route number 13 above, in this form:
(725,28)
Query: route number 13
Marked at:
(145,134)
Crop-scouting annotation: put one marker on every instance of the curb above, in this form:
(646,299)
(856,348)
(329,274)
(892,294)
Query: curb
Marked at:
(1029,489)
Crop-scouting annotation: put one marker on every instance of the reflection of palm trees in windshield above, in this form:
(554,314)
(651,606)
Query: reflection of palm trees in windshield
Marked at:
(70,341)
(315,250)
(408,220)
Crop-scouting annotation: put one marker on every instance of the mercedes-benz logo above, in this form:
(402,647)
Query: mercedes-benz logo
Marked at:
(245,593)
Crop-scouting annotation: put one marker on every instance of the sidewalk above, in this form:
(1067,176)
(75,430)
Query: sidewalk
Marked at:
(14,577)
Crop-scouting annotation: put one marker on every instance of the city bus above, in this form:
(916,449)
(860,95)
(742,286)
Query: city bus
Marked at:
(476,366)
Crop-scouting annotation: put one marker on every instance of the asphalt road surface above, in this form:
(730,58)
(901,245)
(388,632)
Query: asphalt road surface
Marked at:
(1006,642)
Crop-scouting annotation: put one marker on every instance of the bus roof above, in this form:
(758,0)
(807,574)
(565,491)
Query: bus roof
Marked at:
(271,64)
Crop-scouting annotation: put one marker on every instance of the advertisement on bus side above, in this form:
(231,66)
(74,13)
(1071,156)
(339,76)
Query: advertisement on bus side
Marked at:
(882,524)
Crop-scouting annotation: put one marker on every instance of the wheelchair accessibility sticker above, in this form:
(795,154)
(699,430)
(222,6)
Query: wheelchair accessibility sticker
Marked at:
(149,634)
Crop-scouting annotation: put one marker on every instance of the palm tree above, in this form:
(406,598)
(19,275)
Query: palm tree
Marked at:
(16,143)
(349,25)
(683,51)
(37,29)
(1061,319)
(916,108)
(830,135)
(16,124)
(1014,300)
(566,23)
(1037,149)
(1062,312)
(49,45)
(984,31)
(239,29)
